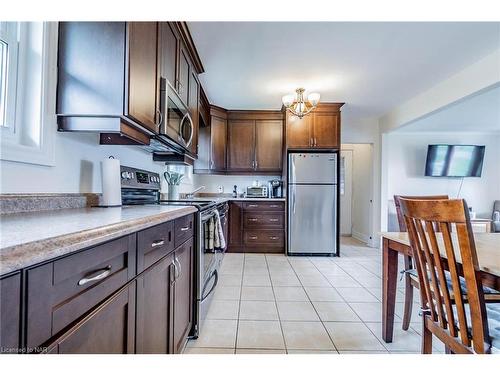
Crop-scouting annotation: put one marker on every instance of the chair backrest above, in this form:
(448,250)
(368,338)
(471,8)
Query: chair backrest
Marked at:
(397,202)
(422,216)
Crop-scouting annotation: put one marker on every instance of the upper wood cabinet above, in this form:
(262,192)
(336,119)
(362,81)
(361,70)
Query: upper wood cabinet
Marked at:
(168,45)
(212,143)
(184,74)
(317,130)
(143,96)
(193,102)
(255,141)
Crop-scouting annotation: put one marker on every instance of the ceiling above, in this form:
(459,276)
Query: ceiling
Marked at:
(372,67)
(478,113)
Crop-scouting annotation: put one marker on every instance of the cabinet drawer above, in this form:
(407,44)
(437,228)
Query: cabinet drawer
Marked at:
(62,291)
(264,237)
(183,229)
(264,206)
(153,244)
(263,220)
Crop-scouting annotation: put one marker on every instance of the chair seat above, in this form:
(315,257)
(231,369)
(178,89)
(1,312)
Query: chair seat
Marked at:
(493,312)
(463,287)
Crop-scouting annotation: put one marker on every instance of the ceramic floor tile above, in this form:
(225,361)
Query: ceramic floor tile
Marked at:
(342,281)
(335,312)
(370,311)
(352,336)
(207,351)
(257,293)
(216,334)
(290,293)
(415,318)
(256,280)
(357,295)
(305,351)
(227,293)
(297,311)
(363,352)
(314,280)
(256,270)
(229,280)
(259,335)
(323,294)
(260,351)
(220,309)
(258,310)
(408,340)
(306,335)
(291,280)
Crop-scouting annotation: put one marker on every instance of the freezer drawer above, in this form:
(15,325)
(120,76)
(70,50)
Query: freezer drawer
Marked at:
(312,219)
(307,168)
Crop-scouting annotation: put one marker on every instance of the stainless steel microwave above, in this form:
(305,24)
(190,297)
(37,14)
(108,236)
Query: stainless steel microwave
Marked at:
(176,122)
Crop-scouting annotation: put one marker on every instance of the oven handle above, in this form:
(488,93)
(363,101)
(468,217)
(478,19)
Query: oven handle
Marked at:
(203,296)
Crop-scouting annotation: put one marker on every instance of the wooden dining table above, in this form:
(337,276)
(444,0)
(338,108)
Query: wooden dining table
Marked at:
(398,243)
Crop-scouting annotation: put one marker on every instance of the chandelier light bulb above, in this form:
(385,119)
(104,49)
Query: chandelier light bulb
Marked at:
(298,105)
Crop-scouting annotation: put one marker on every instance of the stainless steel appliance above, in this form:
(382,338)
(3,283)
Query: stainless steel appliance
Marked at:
(275,188)
(312,204)
(176,121)
(257,192)
(143,187)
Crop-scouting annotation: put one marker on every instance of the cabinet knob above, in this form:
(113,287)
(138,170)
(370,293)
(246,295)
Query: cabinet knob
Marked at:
(253,237)
(273,220)
(252,219)
(274,238)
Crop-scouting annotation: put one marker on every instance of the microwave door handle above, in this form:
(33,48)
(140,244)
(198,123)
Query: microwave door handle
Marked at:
(191,133)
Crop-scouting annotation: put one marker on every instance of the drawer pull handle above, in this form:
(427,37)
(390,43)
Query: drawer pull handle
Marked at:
(183,229)
(101,274)
(252,219)
(273,238)
(253,205)
(158,243)
(253,237)
(274,206)
(273,220)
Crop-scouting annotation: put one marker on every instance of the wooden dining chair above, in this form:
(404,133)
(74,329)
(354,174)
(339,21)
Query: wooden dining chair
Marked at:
(456,315)
(411,281)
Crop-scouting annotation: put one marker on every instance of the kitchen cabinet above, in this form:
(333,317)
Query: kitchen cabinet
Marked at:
(183,298)
(109,329)
(212,143)
(168,47)
(143,93)
(10,313)
(268,145)
(193,104)
(154,301)
(257,227)
(318,130)
(183,77)
(241,145)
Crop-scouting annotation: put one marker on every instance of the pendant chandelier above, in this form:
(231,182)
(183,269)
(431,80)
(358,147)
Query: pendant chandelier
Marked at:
(298,105)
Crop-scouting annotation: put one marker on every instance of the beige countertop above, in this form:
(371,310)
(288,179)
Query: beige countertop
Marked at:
(33,237)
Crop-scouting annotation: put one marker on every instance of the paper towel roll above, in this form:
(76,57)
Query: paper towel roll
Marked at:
(111,183)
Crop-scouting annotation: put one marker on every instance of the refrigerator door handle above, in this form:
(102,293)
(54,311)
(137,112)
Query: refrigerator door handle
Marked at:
(293,199)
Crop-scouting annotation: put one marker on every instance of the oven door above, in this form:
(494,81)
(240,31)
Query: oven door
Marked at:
(176,120)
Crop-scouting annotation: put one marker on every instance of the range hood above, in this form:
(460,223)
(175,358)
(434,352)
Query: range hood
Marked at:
(173,158)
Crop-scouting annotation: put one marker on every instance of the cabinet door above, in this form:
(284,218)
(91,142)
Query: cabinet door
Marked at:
(10,313)
(154,288)
(268,145)
(193,109)
(183,295)
(168,43)
(241,156)
(142,90)
(183,76)
(204,145)
(235,209)
(109,329)
(326,130)
(298,131)
(218,143)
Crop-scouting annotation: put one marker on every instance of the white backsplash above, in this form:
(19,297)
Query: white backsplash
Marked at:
(212,182)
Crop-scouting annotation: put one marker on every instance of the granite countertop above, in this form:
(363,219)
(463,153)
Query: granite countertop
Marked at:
(227,199)
(33,237)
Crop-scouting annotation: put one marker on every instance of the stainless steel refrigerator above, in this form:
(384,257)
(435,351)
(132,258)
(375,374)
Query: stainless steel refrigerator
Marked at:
(312,204)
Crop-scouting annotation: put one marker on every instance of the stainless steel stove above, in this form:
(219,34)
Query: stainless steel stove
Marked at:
(140,187)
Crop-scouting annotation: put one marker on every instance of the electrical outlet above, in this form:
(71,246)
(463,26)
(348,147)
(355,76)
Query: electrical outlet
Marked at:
(220,189)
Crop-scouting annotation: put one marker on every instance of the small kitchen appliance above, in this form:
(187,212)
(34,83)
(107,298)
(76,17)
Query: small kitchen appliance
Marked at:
(275,188)
(257,192)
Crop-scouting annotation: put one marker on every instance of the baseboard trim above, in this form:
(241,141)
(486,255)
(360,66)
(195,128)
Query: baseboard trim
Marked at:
(362,237)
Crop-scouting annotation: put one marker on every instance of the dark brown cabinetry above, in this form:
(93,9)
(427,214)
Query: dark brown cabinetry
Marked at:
(268,145)
(212,143)
(10,313)
(154,296)
(318,130)
(168,47)
(193,102)
(257,226)
(143,95)
(241,145)
(183,76)
(109,329)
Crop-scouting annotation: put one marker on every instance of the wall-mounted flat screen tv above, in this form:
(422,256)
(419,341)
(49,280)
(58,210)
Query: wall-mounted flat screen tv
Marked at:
(454,161)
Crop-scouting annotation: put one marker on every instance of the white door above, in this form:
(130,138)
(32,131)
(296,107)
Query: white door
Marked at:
(345,187)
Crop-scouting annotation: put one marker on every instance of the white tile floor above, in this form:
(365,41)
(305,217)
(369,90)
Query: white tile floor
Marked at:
(276,304)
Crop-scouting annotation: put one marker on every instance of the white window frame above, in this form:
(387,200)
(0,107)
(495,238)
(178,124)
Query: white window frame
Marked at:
(44,152)
(8,33)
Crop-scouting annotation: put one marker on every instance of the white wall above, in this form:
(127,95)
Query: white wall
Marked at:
(77,168)
(362,190)
(405,160)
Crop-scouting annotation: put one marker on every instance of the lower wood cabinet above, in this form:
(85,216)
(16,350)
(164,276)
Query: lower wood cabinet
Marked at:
(154,299)
(257,226)
(10,313)
(109,329)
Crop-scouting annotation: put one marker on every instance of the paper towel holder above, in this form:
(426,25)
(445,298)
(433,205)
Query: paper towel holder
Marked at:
(111,183)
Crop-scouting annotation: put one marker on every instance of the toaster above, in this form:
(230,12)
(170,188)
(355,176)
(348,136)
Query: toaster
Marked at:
(257,192)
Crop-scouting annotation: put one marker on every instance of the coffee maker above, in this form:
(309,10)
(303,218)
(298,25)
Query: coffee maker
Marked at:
(275,188)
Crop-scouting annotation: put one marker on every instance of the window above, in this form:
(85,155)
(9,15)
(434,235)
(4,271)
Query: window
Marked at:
(28,68)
